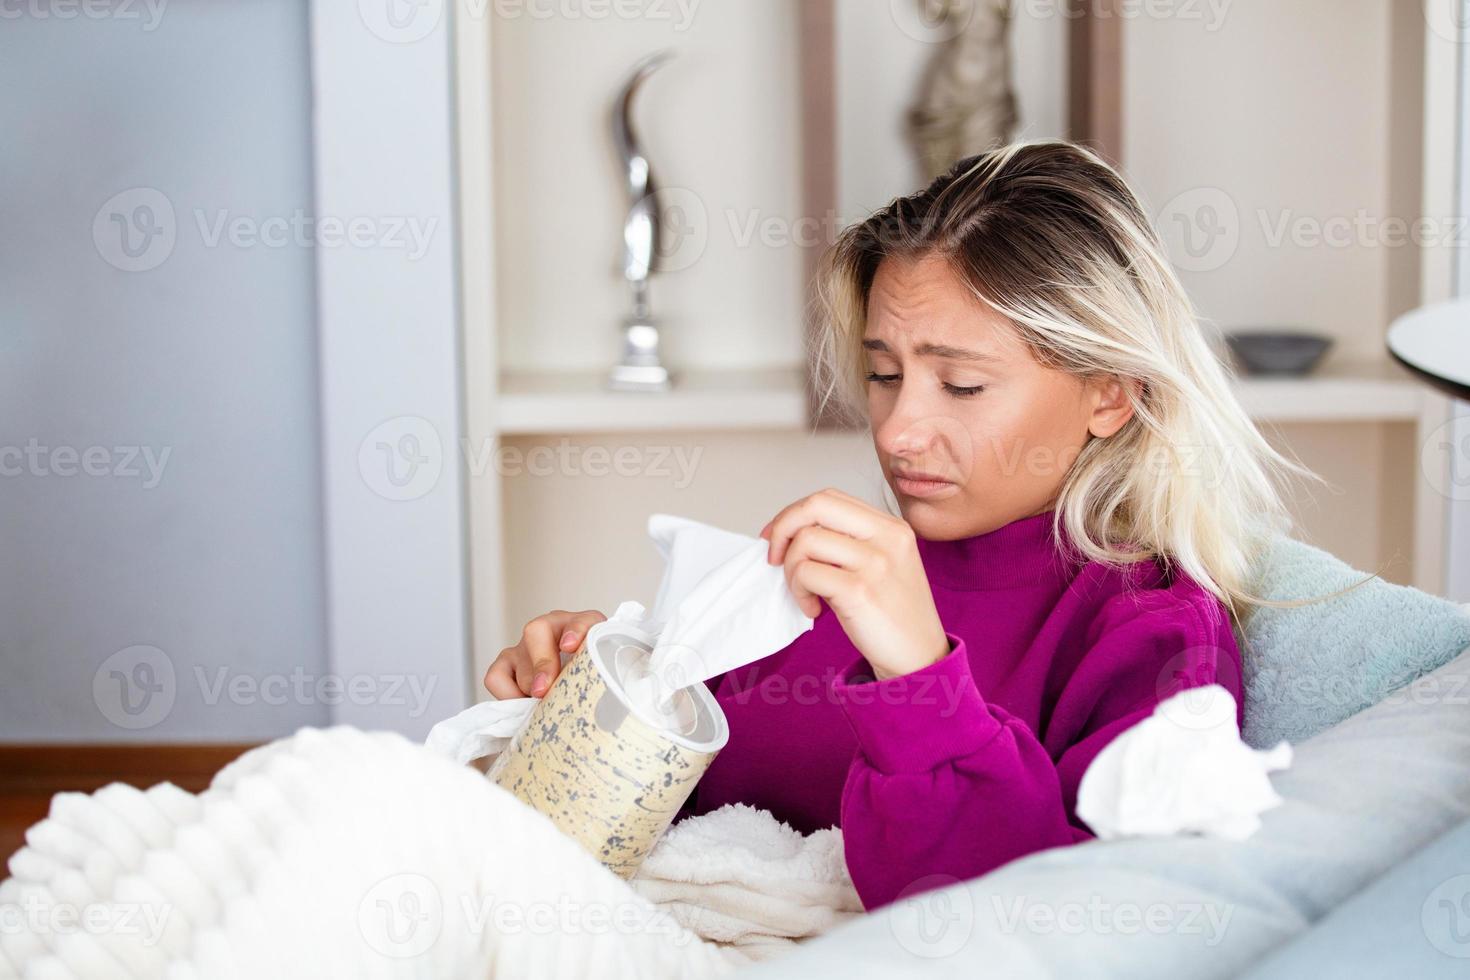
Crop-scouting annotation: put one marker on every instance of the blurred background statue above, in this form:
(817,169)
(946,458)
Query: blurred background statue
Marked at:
(966,104)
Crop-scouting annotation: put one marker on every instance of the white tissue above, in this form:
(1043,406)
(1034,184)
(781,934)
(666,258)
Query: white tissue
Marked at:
(725,605)
(691,551)
(719,606)
(1184,769)
(480,730)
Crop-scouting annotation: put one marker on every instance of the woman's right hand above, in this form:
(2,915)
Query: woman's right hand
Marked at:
(529,667)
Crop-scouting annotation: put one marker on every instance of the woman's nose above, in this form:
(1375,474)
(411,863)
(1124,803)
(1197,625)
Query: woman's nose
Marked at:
(937,441)
(911,427)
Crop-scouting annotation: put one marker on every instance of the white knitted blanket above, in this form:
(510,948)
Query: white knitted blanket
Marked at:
(342,853)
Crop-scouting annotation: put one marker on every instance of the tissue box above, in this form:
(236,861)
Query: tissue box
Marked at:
(608,773)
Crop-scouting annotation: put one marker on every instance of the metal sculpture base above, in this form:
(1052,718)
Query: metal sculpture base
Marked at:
(640,369)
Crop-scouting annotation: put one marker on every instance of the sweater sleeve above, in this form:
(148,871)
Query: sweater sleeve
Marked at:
(945,786)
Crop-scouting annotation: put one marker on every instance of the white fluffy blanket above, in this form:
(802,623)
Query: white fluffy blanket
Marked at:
(342,853)
(740,877)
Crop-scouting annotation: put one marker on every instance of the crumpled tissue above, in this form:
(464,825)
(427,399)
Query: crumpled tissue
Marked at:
(719,606)
(1184,769)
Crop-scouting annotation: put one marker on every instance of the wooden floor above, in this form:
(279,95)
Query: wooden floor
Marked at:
(31,774)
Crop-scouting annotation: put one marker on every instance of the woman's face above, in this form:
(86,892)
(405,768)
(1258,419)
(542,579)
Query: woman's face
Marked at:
(955,395)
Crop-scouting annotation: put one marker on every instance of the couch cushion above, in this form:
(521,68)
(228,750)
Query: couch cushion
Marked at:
(1308,667)
(1409,923)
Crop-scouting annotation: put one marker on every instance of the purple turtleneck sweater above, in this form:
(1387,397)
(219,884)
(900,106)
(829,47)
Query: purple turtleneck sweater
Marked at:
(950,771)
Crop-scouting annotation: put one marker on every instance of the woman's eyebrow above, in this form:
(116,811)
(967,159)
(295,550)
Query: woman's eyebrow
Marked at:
(938,350)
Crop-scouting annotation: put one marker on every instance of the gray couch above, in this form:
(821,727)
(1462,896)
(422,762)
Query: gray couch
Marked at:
(1364,870)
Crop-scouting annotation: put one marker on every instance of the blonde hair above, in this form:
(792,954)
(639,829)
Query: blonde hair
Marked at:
(1049,235)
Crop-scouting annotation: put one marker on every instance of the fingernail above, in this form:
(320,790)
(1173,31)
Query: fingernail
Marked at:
(538,684)
(568,637)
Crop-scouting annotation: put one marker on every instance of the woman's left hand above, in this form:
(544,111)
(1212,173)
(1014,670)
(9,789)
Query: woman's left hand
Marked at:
(865,563)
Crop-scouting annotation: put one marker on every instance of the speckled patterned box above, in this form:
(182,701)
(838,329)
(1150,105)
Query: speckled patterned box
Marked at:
(607,774)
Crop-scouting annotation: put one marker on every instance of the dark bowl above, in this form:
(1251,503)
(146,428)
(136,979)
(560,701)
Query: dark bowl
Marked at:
(1275,352)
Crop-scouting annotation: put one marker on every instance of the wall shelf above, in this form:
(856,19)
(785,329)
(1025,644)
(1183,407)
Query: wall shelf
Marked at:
(570,402)
(542,402)
(1365,391)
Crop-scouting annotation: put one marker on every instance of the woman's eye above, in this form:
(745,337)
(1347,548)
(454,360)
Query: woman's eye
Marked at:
(963,391)
(959,391)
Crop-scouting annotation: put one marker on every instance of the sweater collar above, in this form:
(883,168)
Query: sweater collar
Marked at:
(1020,554)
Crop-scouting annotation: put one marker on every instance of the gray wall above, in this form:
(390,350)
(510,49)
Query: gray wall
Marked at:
(125,600)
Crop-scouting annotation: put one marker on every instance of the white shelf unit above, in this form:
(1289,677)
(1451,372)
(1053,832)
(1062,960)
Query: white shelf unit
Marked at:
(571,402)
(504,301)
(547,402)
(1365,391)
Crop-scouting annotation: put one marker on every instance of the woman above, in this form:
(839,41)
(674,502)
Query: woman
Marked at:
(1081,497)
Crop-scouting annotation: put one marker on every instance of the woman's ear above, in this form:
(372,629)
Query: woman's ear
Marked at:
(1111,407)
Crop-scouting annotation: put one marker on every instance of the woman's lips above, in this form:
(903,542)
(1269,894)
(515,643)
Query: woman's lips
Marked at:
(921,487)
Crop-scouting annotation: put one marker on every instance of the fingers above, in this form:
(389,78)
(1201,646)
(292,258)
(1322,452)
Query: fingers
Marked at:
(814,544)
(824,544)
(500,679)
(810,579)
(536,669)
(530,667)
(829,508)
(574,631)
(569,629)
